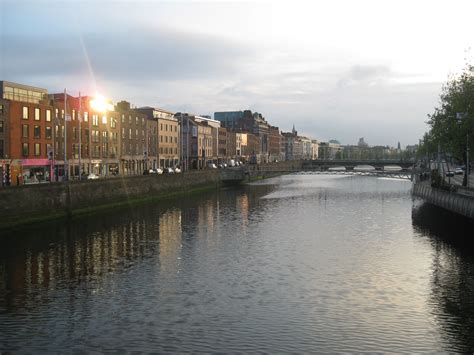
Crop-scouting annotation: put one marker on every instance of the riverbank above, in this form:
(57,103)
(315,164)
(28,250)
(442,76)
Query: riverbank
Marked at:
(28,204)
(456,202)
(34,203)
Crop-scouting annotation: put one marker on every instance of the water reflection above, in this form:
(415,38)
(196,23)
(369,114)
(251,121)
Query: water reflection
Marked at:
(293,264)
(452,281)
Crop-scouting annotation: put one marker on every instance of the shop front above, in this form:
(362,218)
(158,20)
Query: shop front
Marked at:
(35,171)
(5,173)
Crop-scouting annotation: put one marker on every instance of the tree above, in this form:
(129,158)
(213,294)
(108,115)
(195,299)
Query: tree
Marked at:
(453,121)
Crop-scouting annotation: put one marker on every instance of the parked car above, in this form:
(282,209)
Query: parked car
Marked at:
(177,170)
(168,171)
(449,173)
(212,166)
(458,171)
(92,176)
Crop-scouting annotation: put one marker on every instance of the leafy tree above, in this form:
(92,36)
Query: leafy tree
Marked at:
(453,120)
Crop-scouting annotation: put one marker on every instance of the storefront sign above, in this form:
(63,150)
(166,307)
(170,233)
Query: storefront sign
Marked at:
(35,162)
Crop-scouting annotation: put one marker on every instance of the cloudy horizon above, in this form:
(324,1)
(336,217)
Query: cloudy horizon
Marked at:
(340,70)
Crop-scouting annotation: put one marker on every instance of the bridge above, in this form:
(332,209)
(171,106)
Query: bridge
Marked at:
(404,175)
(351,164)
(378,168)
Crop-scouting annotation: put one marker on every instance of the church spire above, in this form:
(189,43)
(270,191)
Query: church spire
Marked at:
(294,130)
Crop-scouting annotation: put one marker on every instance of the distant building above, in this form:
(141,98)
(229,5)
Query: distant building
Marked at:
(362,143)
(329,151)
(274,147)
(168,133)
(314,149)
(251,122)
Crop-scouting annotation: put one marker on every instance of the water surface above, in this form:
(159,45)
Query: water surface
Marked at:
(299,263)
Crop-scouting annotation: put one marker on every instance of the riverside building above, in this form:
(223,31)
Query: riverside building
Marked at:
(25,134)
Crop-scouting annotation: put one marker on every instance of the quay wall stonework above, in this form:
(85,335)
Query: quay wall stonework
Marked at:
(23,203)
(454,202)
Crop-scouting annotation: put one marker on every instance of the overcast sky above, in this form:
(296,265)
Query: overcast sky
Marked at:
(335,69)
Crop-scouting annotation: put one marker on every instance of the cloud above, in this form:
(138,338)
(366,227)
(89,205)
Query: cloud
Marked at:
(135,56)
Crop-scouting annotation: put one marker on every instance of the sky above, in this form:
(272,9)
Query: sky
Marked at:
(339,69)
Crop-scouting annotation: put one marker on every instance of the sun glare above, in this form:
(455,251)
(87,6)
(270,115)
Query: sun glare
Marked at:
(99,104)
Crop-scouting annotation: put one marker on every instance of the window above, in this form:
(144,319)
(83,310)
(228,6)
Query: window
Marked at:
(48,133)
(62,131)
(129,133)
(104,119)
(49,148)
(56,130)
(166,127)
(37,149)
(48,115)
(143,120)
(74,133)
(1,148)
(166,139)
(86,133)
(143,133)
(25,113)
(24,149)
(37,114)
(161,139)
(62,114)
(123,132)
(73,115)
(95,120)
(96,151)
(56,113)
(104,137)
(1,126)
(123,118)
(136,134)
(24,131)
(37,132)
(86,116)
(129,119)
(161,126)
(95,136)
(1,109)
(136,120)
(113,122)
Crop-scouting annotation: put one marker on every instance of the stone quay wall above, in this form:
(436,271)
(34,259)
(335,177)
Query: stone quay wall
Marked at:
(454,202)
(24,204)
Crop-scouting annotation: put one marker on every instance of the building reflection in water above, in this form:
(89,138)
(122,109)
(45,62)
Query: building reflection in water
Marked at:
(452,282)
(170,240)
(42,262)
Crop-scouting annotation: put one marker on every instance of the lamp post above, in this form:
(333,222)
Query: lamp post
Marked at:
(65,138)
(79,119)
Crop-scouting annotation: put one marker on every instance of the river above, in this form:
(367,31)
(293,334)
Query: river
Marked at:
(298,263)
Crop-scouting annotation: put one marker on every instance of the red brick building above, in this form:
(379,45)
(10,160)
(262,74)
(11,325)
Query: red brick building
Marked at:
(26,119)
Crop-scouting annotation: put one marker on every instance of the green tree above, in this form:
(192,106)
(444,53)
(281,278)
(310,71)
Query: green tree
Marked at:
(453,120)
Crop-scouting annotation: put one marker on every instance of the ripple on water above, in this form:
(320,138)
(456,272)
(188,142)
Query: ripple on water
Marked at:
(301,263)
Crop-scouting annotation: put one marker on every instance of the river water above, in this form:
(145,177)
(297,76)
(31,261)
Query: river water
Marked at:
(298,263)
